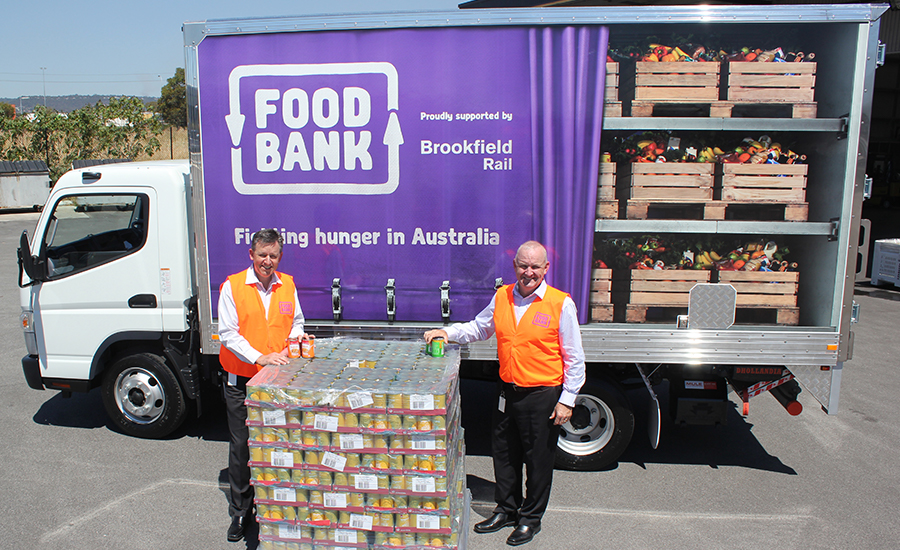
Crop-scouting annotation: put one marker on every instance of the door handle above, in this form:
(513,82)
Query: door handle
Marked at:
(142,301)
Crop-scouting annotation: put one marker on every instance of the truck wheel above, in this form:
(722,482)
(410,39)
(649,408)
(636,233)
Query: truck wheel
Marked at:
(600,428)
(143,397)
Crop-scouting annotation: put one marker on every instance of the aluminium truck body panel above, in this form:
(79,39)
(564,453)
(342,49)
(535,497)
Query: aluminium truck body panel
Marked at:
(327,55)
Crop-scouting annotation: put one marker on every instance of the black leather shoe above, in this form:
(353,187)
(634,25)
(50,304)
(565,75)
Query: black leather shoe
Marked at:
(523,534)
(495,523)
(236,529)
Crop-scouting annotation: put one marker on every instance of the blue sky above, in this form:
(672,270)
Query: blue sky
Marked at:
(123,47)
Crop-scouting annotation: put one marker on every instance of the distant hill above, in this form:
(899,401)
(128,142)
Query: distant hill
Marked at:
(62,103)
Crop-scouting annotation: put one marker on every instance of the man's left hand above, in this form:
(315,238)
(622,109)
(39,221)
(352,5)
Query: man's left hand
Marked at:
(561,414)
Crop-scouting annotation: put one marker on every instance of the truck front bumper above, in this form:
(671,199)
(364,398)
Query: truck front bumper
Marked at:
(31,366)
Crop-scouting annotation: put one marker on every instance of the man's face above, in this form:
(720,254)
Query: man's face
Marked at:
(531,266)
(265,259)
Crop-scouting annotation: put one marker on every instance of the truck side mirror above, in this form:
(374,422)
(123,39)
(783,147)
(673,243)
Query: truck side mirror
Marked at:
(30,264)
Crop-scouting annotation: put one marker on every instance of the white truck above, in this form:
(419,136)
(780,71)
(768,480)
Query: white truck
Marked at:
(403,157)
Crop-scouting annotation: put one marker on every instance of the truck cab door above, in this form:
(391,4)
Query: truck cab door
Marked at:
(100,279)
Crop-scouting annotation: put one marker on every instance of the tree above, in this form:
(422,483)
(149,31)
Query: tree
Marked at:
(7,110)
(172,104)
(121,129)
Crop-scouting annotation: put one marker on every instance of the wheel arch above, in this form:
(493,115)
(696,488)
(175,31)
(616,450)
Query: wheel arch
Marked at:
(133,342)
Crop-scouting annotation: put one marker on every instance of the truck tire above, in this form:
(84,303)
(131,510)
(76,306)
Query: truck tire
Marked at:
(600,428)
(143,397)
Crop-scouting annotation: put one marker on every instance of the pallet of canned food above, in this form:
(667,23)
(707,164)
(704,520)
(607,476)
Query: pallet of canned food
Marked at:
(359,447)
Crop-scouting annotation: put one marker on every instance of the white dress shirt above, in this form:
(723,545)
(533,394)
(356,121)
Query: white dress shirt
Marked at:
(482,328)
(228,318)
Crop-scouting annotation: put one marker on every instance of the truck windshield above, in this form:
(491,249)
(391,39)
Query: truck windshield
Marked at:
(89,230)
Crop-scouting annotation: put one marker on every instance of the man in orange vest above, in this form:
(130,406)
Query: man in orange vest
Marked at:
(258,312)
(541,373)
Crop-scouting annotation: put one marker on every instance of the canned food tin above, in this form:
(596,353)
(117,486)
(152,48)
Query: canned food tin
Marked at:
(395,401)
(437,346)
(293,348)
(396,462)
(308,347)
(298,476)
(256,454)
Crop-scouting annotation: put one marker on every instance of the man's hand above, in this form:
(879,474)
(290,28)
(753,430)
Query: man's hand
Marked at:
(432,334)
(273,359)
(561,414)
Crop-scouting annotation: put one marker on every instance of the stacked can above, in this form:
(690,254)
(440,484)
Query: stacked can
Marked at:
(359,447)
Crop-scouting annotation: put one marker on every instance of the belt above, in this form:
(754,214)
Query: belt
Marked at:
(523,389)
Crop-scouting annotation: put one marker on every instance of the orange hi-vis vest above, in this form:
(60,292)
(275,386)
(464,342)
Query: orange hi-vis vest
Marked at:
(530,353)
(265,335)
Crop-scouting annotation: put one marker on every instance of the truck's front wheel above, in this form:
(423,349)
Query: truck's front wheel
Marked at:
(600,428)
(143,397)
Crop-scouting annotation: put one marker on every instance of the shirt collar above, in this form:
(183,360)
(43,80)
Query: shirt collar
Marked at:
(539,292)
(252,279)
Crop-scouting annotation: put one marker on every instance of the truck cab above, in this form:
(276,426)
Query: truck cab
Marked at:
(105,291)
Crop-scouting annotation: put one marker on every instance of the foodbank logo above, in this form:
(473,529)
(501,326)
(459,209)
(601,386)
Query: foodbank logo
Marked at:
(319,129)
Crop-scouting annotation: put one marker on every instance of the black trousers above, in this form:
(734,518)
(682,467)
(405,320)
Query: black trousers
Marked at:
(524,435)
(240,495)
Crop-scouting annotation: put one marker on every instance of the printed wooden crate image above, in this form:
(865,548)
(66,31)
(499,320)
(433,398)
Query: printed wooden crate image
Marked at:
(775,290)
(674,181)
(601,288)
(774,83)
(661,288)
(771,82)
(677,81)
(767,183)
(764,182)
(607,205)
(612,107)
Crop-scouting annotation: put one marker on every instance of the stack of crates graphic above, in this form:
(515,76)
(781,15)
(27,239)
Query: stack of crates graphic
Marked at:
(359,447)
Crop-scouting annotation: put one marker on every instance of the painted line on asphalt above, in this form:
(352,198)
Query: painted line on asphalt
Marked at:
(684,515)
(68,526)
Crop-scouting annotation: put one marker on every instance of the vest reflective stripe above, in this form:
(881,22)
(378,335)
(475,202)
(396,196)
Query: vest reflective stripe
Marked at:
(530,353)
(265,335)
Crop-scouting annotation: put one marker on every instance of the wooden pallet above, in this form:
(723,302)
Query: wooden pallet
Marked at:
(764,211)
(771,291)
(722,109)
(744,315)
(642,209)
(612,109)
(771,82)
(601,287)
(755,183)
(682,181)
(653,314)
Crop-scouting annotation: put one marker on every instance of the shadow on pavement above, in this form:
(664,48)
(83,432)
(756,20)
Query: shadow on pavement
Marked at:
(884,293)
(85,410)
(731,445)
(81,410)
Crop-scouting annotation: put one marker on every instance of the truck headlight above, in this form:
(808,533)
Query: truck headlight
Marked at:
(27,320)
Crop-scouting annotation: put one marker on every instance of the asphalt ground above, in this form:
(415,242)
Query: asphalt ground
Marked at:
(765,481)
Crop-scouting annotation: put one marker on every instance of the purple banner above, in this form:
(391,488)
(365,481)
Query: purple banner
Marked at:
(400,154)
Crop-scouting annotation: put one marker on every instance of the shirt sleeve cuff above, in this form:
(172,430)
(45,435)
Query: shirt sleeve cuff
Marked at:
(568,398)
